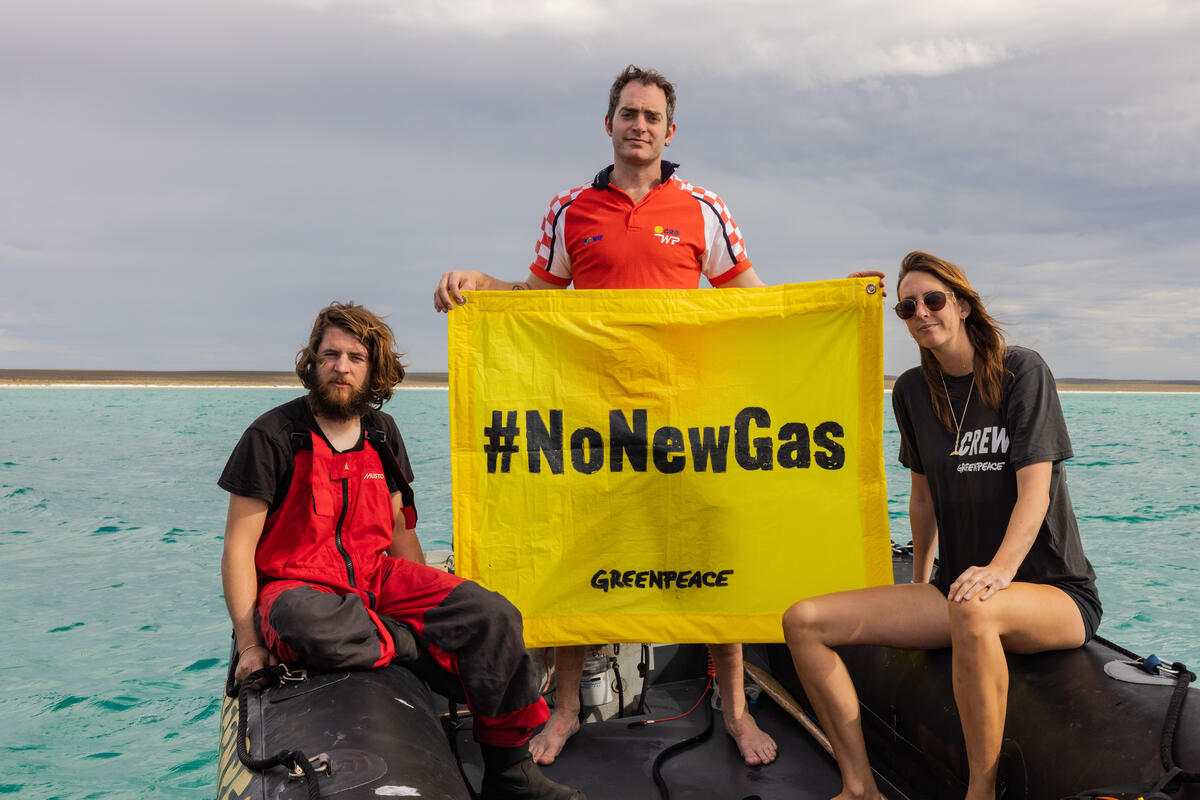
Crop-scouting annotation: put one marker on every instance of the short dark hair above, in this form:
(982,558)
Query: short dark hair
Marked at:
(372,332)
(648,77)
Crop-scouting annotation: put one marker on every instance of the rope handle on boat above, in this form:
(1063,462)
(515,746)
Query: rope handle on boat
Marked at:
(298,764)
(320,763)
(1174,711)
(1169,783)
(1153,665)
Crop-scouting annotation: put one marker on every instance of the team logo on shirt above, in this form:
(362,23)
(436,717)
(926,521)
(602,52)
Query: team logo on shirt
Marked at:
(593,239)
(666,235)
(983,441)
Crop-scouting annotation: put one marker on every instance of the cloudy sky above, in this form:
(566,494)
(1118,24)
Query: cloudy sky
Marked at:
(183,184)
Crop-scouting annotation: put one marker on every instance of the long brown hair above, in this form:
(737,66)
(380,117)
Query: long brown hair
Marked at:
(372,332)
(983,332)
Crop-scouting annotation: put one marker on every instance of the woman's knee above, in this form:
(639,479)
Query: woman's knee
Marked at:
(972,618)
(801,621)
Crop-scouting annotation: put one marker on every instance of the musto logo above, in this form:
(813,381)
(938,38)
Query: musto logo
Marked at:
(755,444)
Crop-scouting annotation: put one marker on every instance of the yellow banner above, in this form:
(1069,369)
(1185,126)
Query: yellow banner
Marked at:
(668,466)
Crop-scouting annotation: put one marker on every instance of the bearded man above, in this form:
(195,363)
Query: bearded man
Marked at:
(322,565)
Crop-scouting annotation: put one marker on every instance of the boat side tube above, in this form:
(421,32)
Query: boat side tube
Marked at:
(1070,725)
(377,730)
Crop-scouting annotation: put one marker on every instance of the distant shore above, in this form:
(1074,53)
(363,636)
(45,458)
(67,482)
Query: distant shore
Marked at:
(230,378)
(287,380)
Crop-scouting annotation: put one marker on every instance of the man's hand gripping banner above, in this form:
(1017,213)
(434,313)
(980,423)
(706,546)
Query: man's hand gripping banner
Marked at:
(668,466)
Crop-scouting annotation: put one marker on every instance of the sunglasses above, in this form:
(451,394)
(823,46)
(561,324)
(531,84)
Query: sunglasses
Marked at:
(934,301)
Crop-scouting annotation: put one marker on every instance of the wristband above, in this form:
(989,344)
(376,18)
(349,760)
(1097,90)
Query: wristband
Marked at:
(250,647)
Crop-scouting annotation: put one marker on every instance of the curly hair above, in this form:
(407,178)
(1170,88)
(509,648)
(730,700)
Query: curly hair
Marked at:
(983,331)
(648,77)
(386,370)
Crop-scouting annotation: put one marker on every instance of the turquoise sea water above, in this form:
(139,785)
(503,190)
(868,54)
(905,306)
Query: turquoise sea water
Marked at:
(113,648)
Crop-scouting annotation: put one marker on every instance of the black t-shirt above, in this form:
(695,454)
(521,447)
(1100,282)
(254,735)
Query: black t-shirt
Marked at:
(974,493)
(261,464)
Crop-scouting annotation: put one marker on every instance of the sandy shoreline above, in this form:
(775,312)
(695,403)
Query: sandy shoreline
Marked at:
(196,379)
(416,380)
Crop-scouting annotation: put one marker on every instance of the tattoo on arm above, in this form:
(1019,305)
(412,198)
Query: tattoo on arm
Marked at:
(516,287)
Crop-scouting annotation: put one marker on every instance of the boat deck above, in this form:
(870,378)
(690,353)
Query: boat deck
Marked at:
(610,760)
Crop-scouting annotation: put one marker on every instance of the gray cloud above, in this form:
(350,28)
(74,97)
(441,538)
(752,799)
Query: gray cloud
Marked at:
(185,185)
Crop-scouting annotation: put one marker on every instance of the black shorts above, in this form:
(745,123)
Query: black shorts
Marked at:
(1089,607)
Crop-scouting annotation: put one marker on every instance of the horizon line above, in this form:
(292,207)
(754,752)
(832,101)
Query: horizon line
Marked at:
(414,378)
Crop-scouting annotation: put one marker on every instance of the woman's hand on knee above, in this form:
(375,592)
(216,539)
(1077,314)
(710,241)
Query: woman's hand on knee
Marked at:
(981,582)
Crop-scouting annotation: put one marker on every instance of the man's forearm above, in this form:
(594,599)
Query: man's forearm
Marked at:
(239,576)
(923,526)
(405,544)
(489,284)
(241,593)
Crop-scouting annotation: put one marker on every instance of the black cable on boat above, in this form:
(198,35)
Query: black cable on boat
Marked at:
(293,759)
(679,747)
(620,689)
(644,669)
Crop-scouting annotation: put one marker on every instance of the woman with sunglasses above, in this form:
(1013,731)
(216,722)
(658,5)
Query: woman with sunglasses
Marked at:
(983,434)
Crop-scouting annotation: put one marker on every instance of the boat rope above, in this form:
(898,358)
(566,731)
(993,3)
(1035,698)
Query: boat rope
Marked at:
(300,765)
(1165,787)
(1154,666)
(1174,710)
(1123,651)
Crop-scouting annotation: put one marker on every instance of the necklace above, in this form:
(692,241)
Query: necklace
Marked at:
(958,422)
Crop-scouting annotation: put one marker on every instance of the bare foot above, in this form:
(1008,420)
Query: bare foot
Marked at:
(987,790)
(864,795)
(546,746)
(752,741)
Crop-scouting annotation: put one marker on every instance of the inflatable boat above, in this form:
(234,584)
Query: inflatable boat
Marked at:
(1094,722)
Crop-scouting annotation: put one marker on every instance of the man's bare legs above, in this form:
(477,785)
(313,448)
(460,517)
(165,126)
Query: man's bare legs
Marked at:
(752,741)
(564,722)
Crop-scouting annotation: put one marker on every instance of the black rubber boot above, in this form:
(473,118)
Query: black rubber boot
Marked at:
(510,774)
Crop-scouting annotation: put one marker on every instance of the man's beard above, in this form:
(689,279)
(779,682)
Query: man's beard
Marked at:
(326,401)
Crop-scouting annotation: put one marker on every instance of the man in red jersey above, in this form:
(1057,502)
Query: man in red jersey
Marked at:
(637,225)
(322,565)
